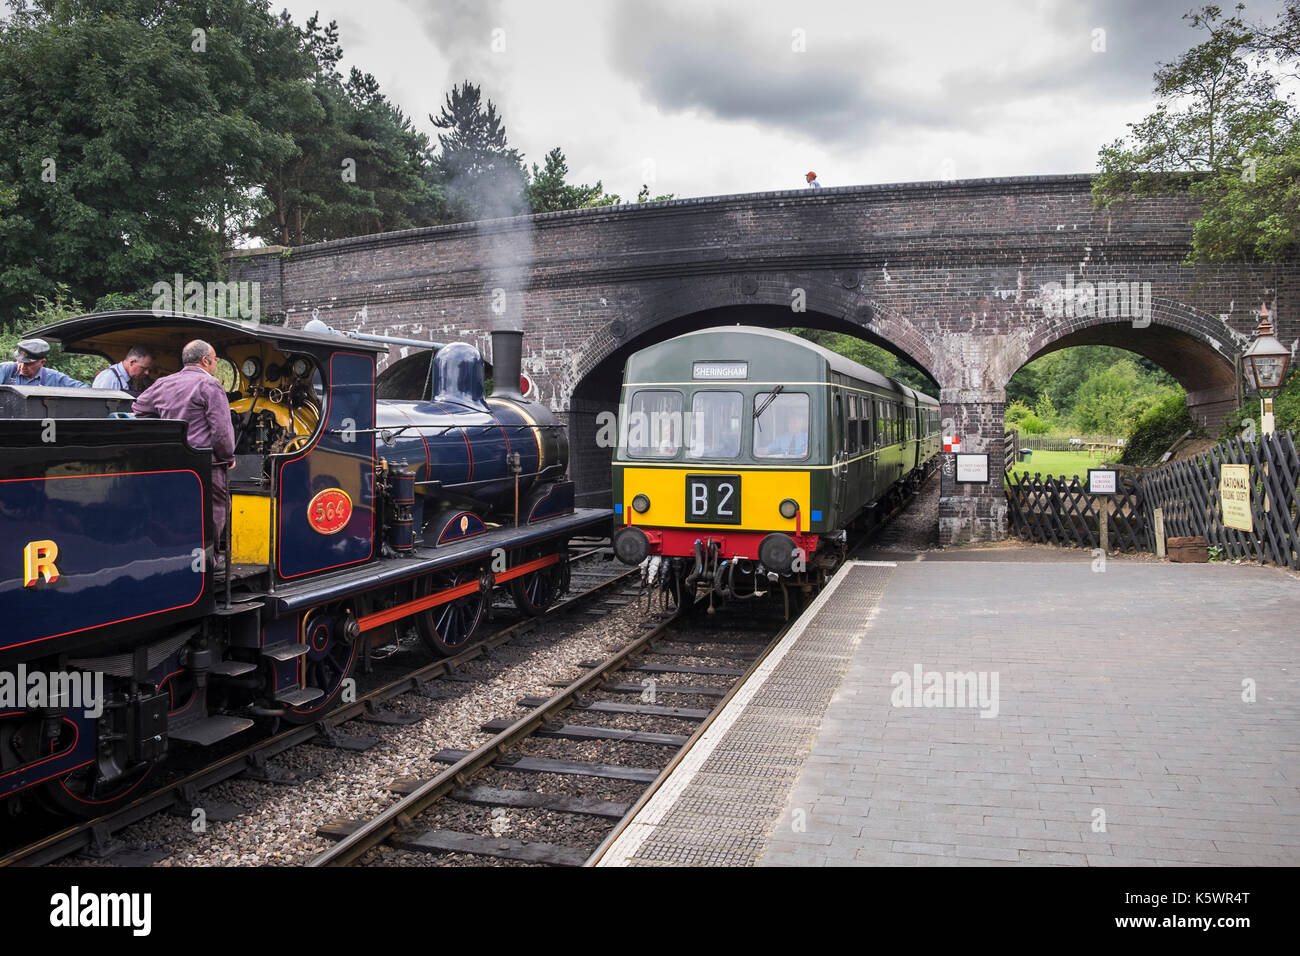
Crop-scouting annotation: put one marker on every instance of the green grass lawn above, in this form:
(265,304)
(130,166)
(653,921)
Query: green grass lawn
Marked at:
(1056,463)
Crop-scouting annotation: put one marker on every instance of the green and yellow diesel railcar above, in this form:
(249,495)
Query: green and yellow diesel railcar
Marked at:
(744,454)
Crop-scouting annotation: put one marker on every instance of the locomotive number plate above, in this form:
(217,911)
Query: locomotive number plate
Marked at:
(329,511)
(713,499)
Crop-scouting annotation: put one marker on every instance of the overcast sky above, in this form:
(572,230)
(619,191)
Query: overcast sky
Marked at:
(702,98)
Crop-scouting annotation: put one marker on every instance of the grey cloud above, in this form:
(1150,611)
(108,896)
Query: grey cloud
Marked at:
(846,91)
(462,31)
(1138,37)
(735,70)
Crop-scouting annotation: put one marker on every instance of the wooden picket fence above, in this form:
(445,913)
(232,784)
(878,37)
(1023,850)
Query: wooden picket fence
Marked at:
(1187,493)
(1059,510)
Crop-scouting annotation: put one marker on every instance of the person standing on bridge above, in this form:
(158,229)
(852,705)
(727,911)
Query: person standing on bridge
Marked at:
(812,180)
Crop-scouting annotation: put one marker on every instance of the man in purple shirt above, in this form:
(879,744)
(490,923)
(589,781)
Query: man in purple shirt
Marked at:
(194,396)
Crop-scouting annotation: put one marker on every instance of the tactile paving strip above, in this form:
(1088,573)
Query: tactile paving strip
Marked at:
(718,806)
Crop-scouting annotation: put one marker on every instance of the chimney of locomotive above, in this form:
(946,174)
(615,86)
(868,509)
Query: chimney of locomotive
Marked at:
(507,362)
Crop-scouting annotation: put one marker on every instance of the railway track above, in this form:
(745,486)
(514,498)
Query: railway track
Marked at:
(596,588)
(552,785)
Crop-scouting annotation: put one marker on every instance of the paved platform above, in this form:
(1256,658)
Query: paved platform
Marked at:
(1146,714)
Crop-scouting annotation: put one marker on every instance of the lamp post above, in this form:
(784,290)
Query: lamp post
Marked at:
(1266,362)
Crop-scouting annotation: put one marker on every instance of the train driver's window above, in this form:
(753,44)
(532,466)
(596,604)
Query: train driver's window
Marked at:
(654,424)
(781,425)
(715,425)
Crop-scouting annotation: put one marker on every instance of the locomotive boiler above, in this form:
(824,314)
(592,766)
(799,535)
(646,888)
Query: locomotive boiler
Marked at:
(352,516)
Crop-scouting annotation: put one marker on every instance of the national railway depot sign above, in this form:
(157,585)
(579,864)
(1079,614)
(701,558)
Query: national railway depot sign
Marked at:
(1234,497)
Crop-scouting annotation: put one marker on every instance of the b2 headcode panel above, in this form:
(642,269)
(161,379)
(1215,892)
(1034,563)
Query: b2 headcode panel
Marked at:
(713,499)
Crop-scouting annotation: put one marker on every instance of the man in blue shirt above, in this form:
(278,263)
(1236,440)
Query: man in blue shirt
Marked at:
(129,375)
(812,180)
(28,367)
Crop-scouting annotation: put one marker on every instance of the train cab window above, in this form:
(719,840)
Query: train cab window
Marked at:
(227,374)
(715,425)
(654,424)
(781,425)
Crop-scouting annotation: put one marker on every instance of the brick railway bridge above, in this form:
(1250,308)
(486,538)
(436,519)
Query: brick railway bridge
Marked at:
(967,280)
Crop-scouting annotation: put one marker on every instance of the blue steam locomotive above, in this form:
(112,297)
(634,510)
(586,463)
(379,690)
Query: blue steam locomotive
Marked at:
(358,504)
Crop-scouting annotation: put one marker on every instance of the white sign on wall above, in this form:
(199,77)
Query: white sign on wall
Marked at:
(973,468)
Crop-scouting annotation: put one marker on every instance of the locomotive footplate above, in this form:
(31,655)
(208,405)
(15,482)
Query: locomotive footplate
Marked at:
(343,584)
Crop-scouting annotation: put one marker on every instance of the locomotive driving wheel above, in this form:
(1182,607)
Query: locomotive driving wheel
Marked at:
(536,591)
(332,634)
(447,628)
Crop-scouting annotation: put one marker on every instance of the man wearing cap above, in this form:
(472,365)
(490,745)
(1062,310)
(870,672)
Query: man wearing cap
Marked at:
(812,180)
(129,375)
(28,367)
(193,395)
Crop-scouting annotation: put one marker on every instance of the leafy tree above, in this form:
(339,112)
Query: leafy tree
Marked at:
(359,166)
(129,151)
(548,190)
(1220,119)
(482,176)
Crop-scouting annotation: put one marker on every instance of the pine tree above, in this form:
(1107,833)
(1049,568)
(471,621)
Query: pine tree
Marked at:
(483,177)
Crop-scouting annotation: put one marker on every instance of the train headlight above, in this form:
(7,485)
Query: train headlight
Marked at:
(789,508)
(640,504)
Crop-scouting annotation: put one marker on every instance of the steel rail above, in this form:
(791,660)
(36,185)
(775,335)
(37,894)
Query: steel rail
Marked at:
(400,815)
(694,738)
(88,832)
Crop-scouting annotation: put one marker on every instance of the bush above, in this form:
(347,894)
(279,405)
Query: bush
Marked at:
(1286,411)
(1017,412)
(45,312)
(1033,425)
(1159,427)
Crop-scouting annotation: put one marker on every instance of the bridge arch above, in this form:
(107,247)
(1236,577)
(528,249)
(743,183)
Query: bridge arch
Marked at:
(1198,350)
(834,303)
(598,371)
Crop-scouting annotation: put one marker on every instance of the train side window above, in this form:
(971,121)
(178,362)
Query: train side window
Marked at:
(880,422)
(654,424)
(715,425)
(840,438)
(852,440)
(781,430)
